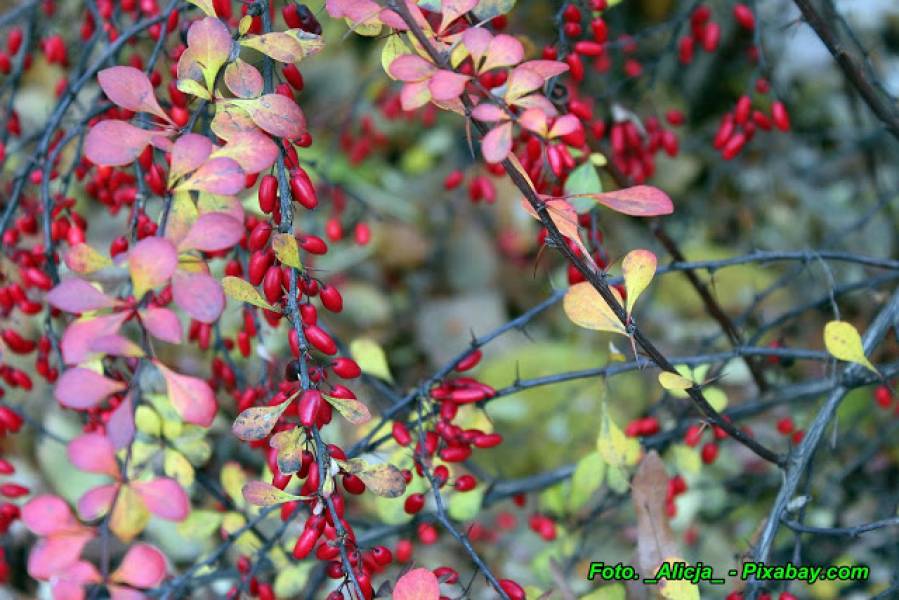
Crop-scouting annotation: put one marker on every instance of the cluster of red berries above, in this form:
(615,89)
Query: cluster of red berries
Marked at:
(738,126)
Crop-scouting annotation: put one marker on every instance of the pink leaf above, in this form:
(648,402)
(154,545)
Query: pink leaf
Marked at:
(151,262)
(120,427)
(131,89)
(199,295)
(93,453)
(476,40)
(503,51)
(410,67)
(143,566)
(81,389)
(57,554)
(212,232)
(115,143)
(489,113)
(97,501)
(637,201)
(243,79)
(564,125)
(164,497)
(162,324)
(522,81)
(545,68)
(116,345)
(276,115)
(534,120)
(77,296)
(193,398)
(417,584)
(189,152)
(47,514)
(120,592)
(222,176)
(453,9)
(414,95)
(79,336)
(446,85)
(253,150)
(497,144)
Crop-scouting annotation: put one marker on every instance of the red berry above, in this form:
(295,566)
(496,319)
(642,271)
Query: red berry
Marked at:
(883,396)
(744,17)
(785,426)
(709,452)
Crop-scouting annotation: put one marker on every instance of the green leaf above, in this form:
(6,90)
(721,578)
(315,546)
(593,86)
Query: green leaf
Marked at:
(583,180)
(587,479)
(371,358)
(465,506)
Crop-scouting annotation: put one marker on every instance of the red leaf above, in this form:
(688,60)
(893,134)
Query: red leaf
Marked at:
(222,176)
(417,584)
(189,152)
(637,201)
(212,232)
(81,389)
(115,143)
(78,296)
(143,566)
(162,324)
(93,453)
(199,295)
(164,497)
(131,89)
(192,398)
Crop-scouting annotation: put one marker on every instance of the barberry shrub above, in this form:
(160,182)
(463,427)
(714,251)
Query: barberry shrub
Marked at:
(264,264)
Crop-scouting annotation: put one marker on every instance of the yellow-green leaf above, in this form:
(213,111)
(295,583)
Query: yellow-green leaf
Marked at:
(392,49)
(233,479)
(351,409)
(639,267)
(370,357)
(256,422)
(200,524)
(673,381)
(290,46)
(678,589)
(287,250)
(586,308)
(616,449)
(290,581)
(243,291)
(289,444)
(129,514)
(382,479)
(260,493)
(843,341)
(205,6)
(586,480)
(614,591)
(178,467)
(189,86)
(465,506)
(83,259)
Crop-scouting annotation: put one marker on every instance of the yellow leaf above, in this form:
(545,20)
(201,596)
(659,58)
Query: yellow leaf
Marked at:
(673,381)
(351,409)
(83,259)
(147,421)
(716,398)
(291,581)
(586,308)
(243,291)
(616,449)
(181,216)
(205,6)
(289,444)
(189,86)
(370,357)
(843,341)
(382,479)
(200,524)
(286,249)
(233,479)
(678,589)
(243,26)
(686,459)
(639,267)
(178,468)
(392,49)
(290,46)
(129,515)
(260,493)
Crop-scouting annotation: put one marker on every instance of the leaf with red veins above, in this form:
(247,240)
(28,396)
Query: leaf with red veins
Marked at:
(48,514)
(452,10)
(131,89)
(222,176)
(192,398)
(143,567)
(446,85)
(164,497)
(79,336)
(522,81)
(151,262)
(415,95)
(636,201)
(97,501)
(189,152)
(497,144)
(489,113)
(534,119)
(58,555)
(77,296)
(417,584)
(411,68)
(163,324)
(212,232)
(81,388)
(199,295)
(290,46)
(209,42)
(502,51)
(114,143)
(243,79)
(476,40)
(564,125)
(253,150)
(275,114)
(93,453)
